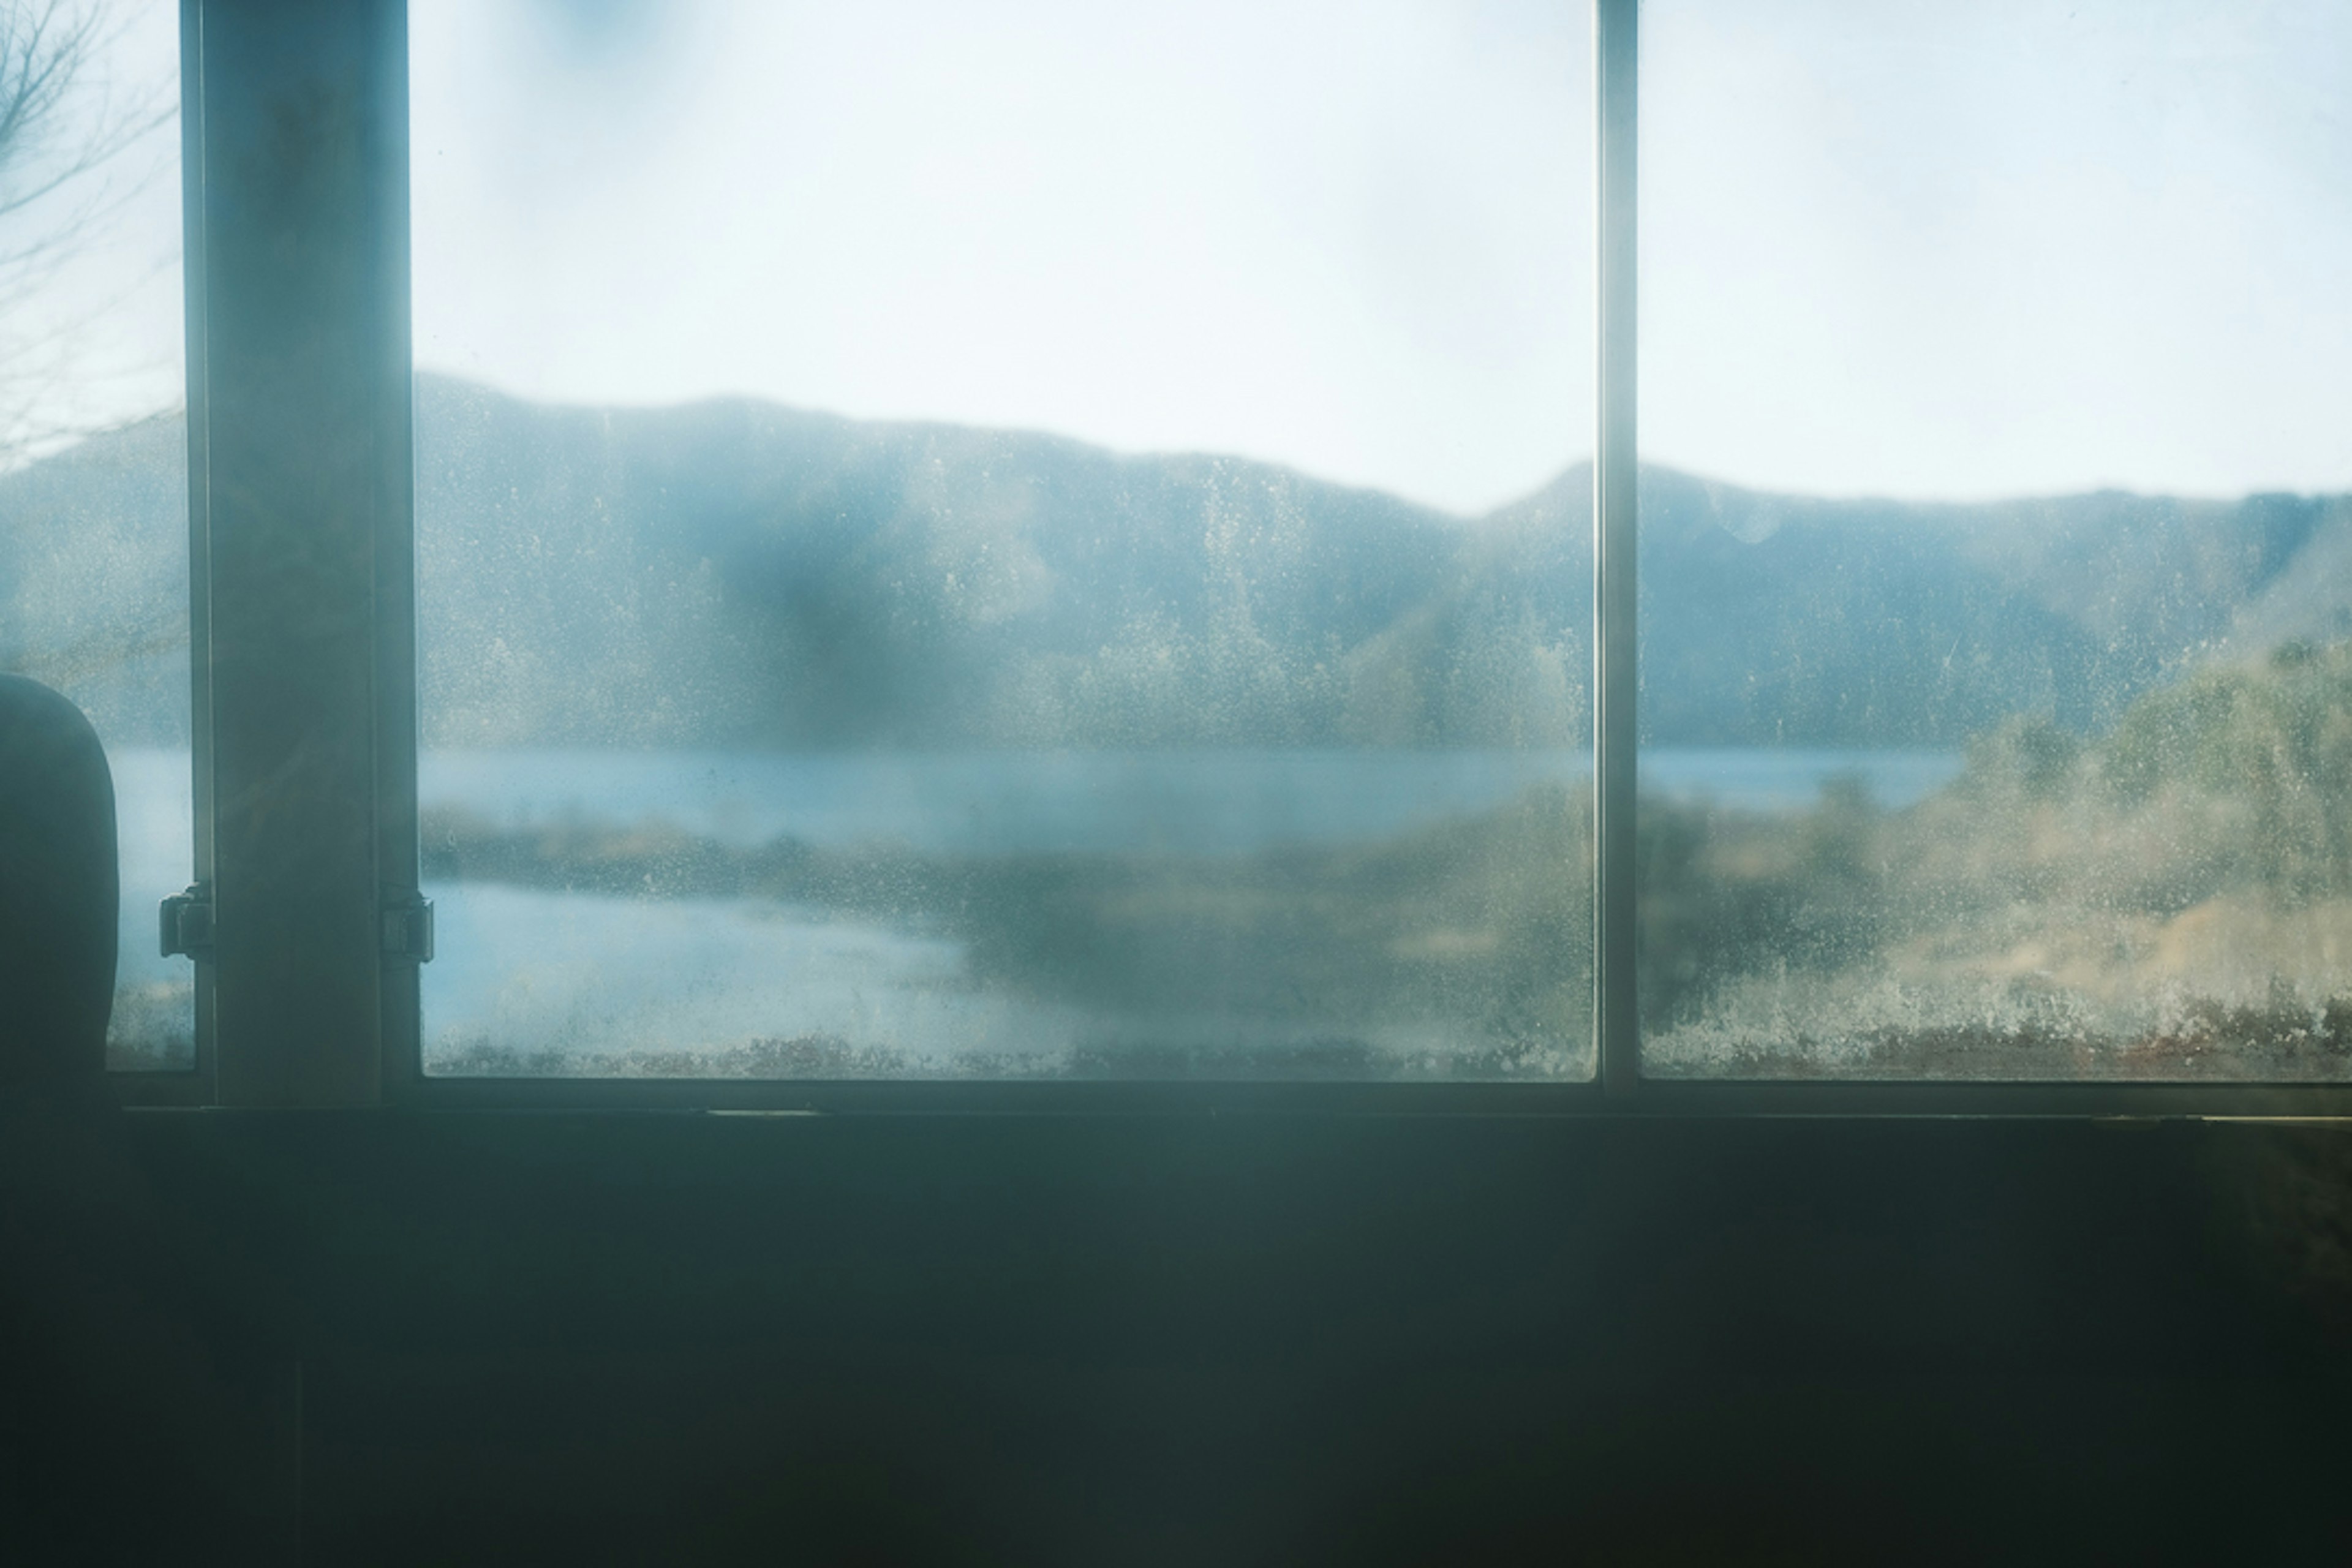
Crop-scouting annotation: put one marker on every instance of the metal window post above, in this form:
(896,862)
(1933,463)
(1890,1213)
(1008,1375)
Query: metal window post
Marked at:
(200,692)
(299,401)
(405,916)
(1616,65)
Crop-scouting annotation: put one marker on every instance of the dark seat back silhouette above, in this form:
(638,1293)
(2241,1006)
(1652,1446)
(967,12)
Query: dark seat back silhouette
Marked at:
(109,1362)
(58,891)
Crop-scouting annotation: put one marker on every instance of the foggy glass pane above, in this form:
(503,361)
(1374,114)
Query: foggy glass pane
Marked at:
(1996,541)
(93,455)
(1034,541)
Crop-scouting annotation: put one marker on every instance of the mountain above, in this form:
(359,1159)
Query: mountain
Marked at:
(737,573)
(1875,623)
(734,574)
(94,578)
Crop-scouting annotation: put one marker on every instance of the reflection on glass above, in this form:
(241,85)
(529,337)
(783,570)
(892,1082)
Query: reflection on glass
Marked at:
(792,710)
(93,464)
(1991,384)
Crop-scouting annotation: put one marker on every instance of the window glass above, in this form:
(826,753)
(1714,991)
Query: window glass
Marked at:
(1040,539)
(93,464)
(1996,547)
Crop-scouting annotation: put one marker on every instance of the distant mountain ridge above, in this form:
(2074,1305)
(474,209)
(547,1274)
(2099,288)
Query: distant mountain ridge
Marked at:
(734,574)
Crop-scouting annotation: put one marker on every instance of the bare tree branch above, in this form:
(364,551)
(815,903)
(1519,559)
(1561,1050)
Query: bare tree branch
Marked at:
(65,125)
(76,140)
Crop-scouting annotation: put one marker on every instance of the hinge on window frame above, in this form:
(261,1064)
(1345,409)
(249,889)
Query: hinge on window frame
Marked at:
(187,921)
(408,929)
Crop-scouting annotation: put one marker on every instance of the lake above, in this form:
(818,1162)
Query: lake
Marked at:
(536,969)
(1200,803)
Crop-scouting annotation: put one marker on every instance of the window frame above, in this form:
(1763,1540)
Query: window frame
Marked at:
(300,443)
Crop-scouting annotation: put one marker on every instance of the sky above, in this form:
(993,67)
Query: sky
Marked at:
(1920,249)
(1896,248)
(90,329)
(1349,238)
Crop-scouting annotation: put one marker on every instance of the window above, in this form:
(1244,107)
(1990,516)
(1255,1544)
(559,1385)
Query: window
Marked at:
(93,476)
(787,727)
(1996,514)
(1031,544)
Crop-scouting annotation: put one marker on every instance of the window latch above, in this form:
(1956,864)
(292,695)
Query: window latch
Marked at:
(187,923)
(408,929)
(187,920)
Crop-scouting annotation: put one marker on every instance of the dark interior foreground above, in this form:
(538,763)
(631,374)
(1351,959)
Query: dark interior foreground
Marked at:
(412,1337)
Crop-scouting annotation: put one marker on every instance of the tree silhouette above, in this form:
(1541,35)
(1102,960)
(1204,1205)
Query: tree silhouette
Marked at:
(65,126)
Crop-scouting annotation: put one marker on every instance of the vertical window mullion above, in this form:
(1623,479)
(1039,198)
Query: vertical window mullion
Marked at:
(396,712)
(1615,56)
(200,700)
(301,400)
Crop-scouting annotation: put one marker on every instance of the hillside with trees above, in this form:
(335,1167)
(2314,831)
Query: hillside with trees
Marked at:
(2170,899)
(741,576)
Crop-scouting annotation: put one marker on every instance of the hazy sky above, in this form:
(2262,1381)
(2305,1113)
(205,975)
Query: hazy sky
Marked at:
(90,332)
(1934,248)
(1349,237)
(1901,246)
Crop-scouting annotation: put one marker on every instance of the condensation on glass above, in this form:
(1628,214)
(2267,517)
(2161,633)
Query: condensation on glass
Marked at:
(1996,544)
(93,464)
(1040,541)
